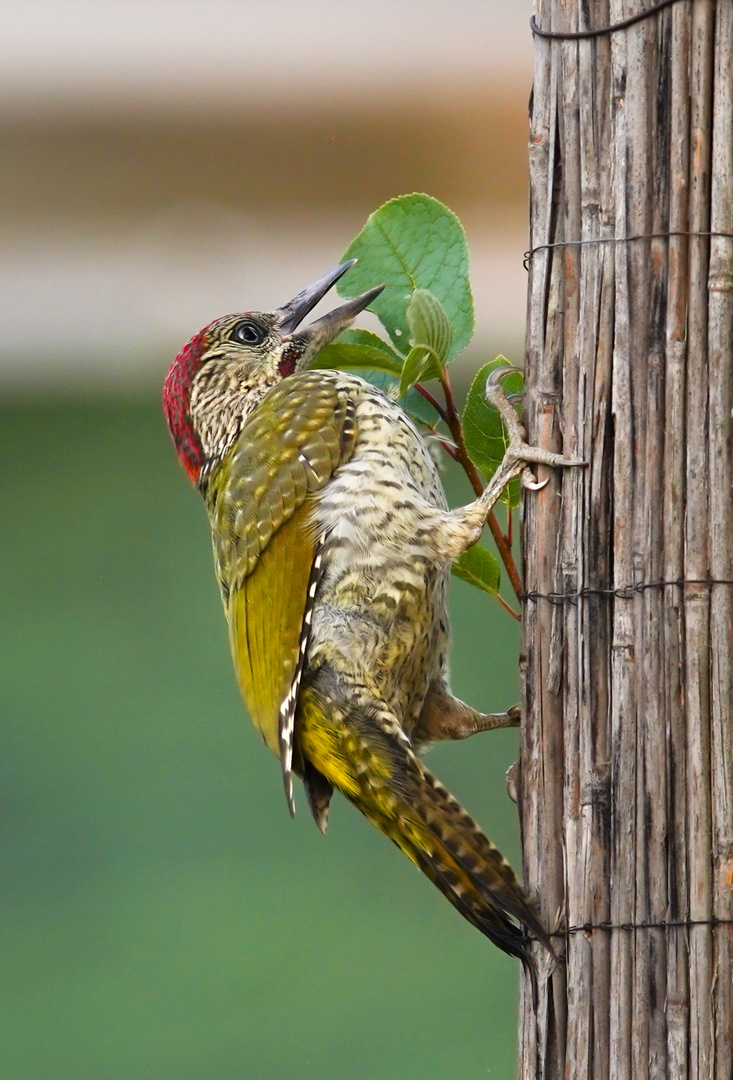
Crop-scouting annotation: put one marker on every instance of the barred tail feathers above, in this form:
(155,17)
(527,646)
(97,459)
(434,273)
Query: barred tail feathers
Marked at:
(362,752)
(473,874)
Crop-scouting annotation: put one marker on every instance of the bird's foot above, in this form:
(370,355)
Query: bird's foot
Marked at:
(492,721)
(444,717)
(519,455)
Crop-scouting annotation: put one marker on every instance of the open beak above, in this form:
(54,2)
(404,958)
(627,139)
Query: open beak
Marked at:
(325,329)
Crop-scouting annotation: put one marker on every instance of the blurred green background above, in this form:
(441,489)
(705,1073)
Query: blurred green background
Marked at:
(163,918)
(165,162)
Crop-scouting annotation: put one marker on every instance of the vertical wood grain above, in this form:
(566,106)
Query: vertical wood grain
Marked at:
(627,747)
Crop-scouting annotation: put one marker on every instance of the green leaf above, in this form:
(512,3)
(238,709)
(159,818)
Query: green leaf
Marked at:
(431,335)
(429,324)
(420,366)
(483,429)
(413,242)
(359,349)
(478,567)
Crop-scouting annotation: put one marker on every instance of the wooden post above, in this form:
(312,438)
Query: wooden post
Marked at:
(627,751)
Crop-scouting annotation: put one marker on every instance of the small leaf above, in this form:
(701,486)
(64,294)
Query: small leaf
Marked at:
(478,567)
(359,349)
(429,324)
(413,242)
(483,429)
(431,335)
(420,366)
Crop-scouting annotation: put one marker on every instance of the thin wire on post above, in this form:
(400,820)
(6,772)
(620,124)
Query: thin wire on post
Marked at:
(663,924)
(580,35)
(616,240)
(622,592)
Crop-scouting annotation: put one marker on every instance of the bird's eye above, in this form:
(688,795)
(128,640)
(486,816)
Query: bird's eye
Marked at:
(248,333)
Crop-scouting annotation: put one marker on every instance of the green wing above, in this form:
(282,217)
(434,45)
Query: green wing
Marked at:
(267,554)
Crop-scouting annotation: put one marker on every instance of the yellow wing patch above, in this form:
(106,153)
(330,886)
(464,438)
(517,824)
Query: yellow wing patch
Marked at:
(265,621)
(267,556)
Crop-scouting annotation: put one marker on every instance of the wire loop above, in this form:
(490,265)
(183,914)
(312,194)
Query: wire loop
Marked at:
(579,35)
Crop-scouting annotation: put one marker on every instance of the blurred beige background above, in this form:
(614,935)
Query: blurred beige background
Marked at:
(165,162)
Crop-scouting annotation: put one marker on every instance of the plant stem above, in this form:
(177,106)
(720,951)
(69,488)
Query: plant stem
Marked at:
(508,608)
(433,401)
(453,421)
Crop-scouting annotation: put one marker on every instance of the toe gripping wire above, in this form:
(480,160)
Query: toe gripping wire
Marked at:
(601,31)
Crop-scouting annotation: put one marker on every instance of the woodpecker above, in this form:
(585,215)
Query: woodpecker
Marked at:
(332,546)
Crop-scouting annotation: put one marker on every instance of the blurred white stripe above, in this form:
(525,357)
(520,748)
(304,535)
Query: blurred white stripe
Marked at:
(104,305)
(185,54)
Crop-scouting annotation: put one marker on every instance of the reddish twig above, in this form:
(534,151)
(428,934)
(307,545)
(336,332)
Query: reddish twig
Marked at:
(507,607)
(433,401)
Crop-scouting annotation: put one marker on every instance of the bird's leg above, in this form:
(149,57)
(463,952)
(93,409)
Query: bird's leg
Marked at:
(518,457)
(444,717)
(447,534)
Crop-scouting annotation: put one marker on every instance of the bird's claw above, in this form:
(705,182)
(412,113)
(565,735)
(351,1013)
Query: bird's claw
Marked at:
(530,482)
(512,782)
(497,375)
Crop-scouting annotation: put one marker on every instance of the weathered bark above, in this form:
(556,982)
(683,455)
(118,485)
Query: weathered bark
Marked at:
(627,753)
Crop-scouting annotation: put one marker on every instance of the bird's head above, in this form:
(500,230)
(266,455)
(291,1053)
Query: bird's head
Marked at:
(219,377)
